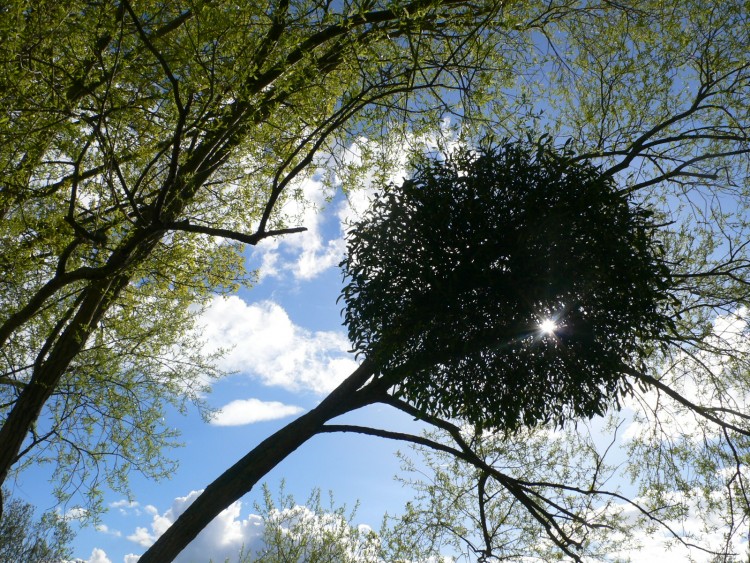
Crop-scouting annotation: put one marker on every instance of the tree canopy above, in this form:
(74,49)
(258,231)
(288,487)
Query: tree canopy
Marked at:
(143,146)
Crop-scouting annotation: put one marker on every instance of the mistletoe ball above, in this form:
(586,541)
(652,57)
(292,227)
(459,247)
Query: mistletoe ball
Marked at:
(507,287)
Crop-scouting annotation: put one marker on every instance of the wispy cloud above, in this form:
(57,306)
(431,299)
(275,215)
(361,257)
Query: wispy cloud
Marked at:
(104,529)
(126,507)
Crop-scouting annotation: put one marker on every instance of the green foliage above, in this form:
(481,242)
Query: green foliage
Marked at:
(134,136)
(22,538)
(451,274)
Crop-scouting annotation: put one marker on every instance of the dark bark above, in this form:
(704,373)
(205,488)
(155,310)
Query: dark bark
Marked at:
(239,479)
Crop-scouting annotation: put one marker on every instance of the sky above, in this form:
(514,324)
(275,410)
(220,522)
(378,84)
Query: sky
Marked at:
(287,348)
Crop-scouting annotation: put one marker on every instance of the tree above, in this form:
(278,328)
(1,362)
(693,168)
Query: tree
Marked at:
(676,148)
(130,134)
(472,513)
(24,539)
(317,532)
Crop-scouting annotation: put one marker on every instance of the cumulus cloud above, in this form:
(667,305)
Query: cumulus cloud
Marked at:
(307,254)
(248,411)
(322,246)
(230,532)
(263,342)
(142,536)
(354,206)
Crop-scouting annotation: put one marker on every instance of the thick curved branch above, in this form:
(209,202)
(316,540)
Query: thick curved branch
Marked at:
(243,475)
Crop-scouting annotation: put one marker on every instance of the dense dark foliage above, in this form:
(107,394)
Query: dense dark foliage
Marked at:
(451,274)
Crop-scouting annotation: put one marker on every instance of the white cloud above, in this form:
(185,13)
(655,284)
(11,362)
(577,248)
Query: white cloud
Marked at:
(126,507)
(76,513)
(131,558)
(123,503)
(264,343)
(142,536)
(248,411)
(705,376)
(359,167)
(307,254)
(229,532)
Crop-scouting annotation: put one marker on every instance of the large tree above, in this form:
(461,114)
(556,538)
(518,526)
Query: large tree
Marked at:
(134,135)
(143,145)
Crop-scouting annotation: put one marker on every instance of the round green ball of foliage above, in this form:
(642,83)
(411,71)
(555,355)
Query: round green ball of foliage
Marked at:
(452,275)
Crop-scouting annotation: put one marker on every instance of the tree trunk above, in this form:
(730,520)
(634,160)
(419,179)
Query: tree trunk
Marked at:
(243,475)
(46,376)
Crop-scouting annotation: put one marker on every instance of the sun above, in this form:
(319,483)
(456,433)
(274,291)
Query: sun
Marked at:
(548,326)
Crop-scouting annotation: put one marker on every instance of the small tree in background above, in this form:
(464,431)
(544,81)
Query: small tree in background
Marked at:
(315,532)
(24,539)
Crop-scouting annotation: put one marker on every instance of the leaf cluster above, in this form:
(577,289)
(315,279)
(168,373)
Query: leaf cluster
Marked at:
(451,273)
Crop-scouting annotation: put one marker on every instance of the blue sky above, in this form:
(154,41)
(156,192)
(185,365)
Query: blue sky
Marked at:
(288,348)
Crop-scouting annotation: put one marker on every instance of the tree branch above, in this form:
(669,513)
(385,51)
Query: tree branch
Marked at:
(705,412)
(253,239)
